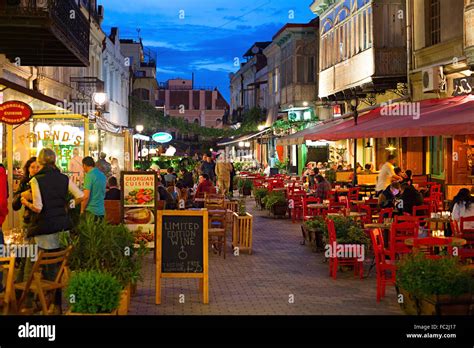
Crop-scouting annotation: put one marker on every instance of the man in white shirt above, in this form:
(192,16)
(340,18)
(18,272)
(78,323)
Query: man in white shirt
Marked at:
(387,175)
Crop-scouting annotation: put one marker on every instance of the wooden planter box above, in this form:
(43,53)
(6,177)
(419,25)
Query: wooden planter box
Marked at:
(125,296)
(436,304)
(242,232)
(88,314)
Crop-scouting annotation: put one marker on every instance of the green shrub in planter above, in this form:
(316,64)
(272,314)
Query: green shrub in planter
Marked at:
(274,198)
(245,186)
(424,277)
(93,292)
(348,231)
(260,192)
(100,246)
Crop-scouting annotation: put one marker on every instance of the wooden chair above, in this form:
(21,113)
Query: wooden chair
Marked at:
(399,232)
(308,213)
(336,261)
(113,214)
(7,298)
(42,287)
(214,201)
(367,218)
(386,269)
(218,231)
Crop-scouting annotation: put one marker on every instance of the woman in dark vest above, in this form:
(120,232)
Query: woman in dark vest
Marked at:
(49,192)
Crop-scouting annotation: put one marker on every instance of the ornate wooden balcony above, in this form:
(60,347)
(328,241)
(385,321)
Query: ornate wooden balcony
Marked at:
(44,33)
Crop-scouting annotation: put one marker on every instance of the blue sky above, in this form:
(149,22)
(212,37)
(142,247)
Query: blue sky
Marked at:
(202,36)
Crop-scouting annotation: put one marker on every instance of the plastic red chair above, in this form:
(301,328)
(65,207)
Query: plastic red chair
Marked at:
(309,213)
(386,213)
(467,251)
(428,246)
(345,200)
(336,261)
(399,232)
(455,228)
(386,269)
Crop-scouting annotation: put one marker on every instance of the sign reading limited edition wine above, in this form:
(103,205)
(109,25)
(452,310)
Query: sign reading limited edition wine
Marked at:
(182,248)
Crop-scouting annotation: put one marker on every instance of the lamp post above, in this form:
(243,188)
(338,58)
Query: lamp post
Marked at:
(354,104)
(139,128)
(261,128)
(99,98)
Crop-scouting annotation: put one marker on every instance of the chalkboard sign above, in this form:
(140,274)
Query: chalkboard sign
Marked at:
(182,248)
(182,244)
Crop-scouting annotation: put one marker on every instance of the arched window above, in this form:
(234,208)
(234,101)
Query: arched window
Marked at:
(218,121)
(196,120)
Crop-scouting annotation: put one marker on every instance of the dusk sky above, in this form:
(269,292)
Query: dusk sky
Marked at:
(207,40)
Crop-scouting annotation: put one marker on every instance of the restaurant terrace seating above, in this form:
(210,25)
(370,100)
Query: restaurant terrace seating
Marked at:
(399,232)
(429,247)
(467,251)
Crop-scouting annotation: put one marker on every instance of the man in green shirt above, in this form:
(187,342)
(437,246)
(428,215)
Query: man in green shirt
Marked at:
(94,189)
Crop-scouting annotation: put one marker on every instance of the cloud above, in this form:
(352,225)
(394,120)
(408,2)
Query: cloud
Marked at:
(208,64)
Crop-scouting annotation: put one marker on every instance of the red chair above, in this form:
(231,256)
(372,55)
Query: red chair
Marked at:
(407,218)
(386,269)
(336,261)
(309,213)
(455,228)
(273,184)
(467,251)
(345,200)
(386,213)
(353,194)
(421,211)
(297,209)
(399,232)
(428,247)
(367,218)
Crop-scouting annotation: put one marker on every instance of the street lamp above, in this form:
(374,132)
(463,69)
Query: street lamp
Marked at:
(139,128)
(100,98)
(354,104)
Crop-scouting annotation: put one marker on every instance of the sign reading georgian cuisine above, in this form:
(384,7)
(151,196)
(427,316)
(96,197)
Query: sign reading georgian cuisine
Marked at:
(15,112)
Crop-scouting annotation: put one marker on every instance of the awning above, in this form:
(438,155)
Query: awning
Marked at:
(435,117)
(247,137)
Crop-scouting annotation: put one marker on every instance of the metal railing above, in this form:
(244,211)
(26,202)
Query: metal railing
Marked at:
(66,18)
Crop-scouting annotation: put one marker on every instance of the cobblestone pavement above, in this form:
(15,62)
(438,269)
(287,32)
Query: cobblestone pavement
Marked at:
(278,271)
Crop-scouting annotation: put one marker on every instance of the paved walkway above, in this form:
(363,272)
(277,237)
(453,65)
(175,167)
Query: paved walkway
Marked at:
(265,283)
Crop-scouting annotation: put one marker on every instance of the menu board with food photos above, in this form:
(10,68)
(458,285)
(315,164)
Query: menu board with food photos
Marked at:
(138,201)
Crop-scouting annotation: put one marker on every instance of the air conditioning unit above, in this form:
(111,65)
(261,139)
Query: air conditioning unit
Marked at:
(433,80)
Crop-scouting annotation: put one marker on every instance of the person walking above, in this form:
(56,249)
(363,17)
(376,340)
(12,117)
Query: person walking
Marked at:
(208,167)
(387,175)
(75,167)
(49,200)
(104,166)
(223,172)
(95,183)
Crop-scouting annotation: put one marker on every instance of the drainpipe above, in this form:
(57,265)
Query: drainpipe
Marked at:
(409,46)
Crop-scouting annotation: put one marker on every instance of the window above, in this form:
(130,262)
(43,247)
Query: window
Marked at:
(276,81)
(433,22)
(311,69)
(436,150)
(300,60)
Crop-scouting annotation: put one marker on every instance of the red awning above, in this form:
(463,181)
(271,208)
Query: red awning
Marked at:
(434,117)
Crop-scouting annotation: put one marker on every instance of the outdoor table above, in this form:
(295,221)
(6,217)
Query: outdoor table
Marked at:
(359,202)
(383,226)
(438,220)
(318,206)
(351,214)
(455,241)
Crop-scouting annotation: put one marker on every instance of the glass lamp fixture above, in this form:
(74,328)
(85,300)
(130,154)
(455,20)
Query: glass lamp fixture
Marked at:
(139,128)
(100,98)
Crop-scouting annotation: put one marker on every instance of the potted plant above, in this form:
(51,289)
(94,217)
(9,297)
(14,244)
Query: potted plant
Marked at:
(93,293)
(99,246)
(259,194)
(245,187)
(434,286)
(313,231)
(348,231)
(276,203)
